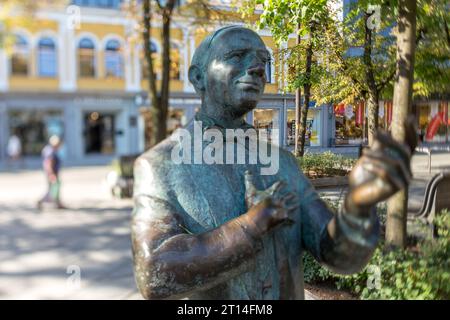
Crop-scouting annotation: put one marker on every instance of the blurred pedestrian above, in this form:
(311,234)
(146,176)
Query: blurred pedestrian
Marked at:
(51,164)
(421,135)
(14,150)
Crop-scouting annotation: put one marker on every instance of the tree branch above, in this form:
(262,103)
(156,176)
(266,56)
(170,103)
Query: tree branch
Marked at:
(389,78)
(158,2)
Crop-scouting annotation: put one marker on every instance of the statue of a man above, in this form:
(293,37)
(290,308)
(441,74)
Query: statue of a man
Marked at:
(225,231)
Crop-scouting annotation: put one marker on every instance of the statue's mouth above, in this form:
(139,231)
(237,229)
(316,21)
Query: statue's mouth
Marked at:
(249,85)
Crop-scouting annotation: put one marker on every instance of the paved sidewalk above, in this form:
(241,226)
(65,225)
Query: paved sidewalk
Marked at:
(421,176)
(40,251)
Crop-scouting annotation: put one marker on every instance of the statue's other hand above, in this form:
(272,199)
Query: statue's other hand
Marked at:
(270,207)
(381,171)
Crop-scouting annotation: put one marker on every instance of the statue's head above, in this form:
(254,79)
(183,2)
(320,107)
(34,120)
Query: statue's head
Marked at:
(228,69)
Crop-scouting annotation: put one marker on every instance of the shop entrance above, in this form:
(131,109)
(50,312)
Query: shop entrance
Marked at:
(266,119)
(99,133)
(34,127)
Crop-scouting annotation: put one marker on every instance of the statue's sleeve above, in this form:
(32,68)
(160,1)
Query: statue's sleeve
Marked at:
(341,242)
(170,262)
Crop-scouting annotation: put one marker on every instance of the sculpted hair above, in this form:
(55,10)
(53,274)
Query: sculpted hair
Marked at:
(202,53)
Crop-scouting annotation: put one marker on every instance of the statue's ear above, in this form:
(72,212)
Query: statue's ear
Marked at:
(197,78)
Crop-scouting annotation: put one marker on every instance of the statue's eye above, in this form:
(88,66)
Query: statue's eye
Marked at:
(235,55)
(238,55)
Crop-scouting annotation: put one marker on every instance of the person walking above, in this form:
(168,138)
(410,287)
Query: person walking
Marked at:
(51,164)
(14,150)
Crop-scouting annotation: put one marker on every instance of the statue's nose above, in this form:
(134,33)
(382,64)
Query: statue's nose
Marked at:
(257,70)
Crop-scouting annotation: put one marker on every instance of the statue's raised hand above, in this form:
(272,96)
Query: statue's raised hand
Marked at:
(270,207)
(381,171)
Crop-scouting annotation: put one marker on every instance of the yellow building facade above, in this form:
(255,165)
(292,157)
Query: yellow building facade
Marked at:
(77,71)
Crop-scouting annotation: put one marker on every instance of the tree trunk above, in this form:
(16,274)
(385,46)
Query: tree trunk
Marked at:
(298,108)
(159,100)
(372,100)
(307,95)
(164,104)
(372,116)
(152,90)
(397,205)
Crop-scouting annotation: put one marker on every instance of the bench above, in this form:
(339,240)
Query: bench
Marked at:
(123,168)
(436,198)
(429,148)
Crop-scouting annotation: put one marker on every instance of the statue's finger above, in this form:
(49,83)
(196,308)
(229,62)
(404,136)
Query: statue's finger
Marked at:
(385,173)
(404,169)
(249,183)
(292,204)
(389,143)
(290,196)
(290,200)
(293,207)
(369,193)
(276,187)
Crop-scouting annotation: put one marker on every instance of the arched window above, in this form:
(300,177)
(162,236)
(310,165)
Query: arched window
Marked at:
(20,57)
(154,51)
(47,64)
(86,58)
(174,61)
(113,59)
(109,4)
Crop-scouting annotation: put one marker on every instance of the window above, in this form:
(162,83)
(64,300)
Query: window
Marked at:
(113,59)
(34,127)
(269,70)
(86,58)
(108,4)
(19,58)
(154,51)
(47,65)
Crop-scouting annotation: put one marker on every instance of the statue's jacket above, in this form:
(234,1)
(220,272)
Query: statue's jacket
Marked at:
(191,200)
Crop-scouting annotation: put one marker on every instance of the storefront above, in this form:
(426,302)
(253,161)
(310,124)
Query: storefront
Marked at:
(99,133)
(33,127)
(313,127)
(433,120)
(178,116)
(350,128)
(93,127)
(267,119)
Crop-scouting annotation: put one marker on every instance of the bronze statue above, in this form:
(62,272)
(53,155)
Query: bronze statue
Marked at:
(224,231)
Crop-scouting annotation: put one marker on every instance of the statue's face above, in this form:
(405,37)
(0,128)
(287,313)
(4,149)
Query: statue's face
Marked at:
(235,77)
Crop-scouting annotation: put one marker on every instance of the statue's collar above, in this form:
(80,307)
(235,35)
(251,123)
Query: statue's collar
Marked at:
(208,122)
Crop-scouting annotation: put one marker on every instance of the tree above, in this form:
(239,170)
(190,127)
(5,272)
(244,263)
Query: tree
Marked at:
(159,99)
(367,26)
(402,102)
(369,74)
(432,68)
(308,19)
(341,76)
(203,14)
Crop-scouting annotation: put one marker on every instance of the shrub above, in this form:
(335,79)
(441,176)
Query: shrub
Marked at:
(325,164)
(419,272)
(313,271)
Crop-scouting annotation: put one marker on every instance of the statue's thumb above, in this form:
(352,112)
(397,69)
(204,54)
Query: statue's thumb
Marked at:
(249,183)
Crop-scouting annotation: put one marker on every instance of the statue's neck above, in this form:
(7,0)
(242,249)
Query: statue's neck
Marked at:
(224,119)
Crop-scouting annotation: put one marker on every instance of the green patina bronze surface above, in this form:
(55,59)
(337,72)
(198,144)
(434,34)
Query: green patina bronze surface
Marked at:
(224,231)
